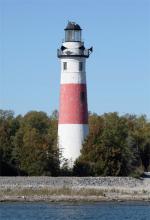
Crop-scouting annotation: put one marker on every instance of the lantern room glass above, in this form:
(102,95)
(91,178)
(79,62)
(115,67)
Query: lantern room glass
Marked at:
(72,35)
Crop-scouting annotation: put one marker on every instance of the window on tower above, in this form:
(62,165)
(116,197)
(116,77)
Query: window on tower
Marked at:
(80,66)
(82,97)
(64,65)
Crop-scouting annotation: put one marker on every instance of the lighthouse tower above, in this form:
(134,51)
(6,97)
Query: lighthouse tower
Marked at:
(73,111)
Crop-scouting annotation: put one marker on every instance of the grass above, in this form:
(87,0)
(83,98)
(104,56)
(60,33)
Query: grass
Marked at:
(51,192)
(66,191)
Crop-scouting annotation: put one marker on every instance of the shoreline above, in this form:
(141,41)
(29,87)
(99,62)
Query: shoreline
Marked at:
(53,199)
(74,189)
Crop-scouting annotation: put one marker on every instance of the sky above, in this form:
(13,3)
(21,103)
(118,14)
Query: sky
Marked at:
(118,70)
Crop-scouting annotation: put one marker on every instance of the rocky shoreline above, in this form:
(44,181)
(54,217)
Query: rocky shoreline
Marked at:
(54,189)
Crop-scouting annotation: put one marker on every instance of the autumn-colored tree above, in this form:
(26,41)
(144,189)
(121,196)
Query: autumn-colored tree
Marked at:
(8,127)
(110,148)
(141,140)
(35,150)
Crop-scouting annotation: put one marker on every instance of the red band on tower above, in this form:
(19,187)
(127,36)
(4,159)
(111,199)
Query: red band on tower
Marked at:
(73,104)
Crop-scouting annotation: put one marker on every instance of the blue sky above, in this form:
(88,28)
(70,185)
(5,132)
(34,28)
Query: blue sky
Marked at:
(118,71)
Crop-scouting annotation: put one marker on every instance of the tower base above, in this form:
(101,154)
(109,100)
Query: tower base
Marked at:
(72,145)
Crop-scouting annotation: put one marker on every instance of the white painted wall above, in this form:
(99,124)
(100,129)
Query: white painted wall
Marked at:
(70,139)
(72,74)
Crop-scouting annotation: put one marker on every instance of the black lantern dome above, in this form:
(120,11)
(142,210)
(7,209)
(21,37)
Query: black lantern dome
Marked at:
(72,26)
(72,32)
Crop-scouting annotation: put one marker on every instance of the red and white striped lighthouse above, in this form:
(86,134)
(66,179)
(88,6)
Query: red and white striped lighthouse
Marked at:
(73,111)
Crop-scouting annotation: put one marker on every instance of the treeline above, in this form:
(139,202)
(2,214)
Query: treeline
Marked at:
(116,146)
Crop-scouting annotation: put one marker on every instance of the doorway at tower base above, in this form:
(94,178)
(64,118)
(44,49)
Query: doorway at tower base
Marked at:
(72,145)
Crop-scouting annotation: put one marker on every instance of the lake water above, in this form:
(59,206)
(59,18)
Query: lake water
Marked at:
(75,211)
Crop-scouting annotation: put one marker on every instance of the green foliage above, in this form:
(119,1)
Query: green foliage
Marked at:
(116,146)
(83,168)
(29,143)
(35,146)
(8,127)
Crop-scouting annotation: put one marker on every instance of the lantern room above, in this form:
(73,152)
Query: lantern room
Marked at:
(73,32)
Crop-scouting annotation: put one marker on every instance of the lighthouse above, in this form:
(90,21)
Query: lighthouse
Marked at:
(73,110)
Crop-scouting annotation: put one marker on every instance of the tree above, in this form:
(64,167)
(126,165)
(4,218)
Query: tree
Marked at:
(106,149)
(141,137)
(35,150)
(8,128)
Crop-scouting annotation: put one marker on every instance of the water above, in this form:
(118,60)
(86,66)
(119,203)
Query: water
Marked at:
(75,211)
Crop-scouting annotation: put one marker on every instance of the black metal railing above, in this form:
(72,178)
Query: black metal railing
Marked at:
(68,53)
